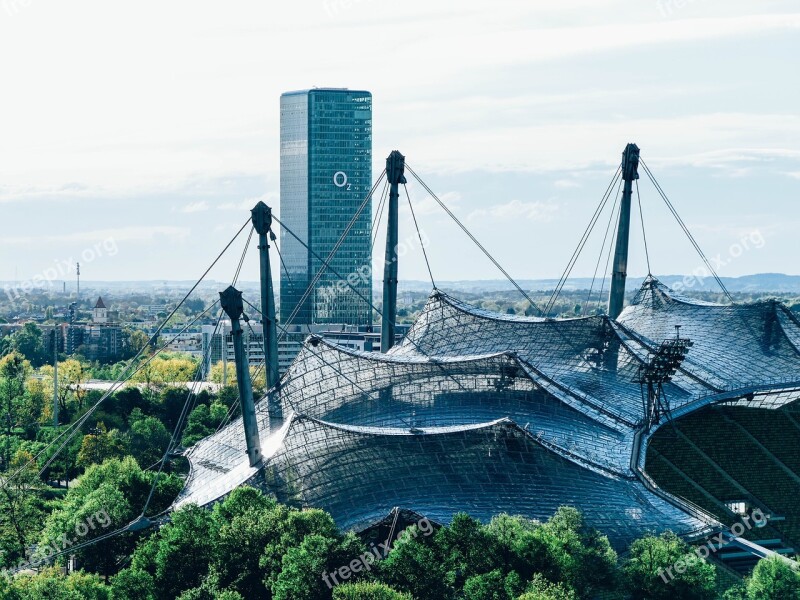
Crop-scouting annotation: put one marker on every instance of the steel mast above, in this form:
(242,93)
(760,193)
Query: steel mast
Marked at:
(395,168)
(630,172)
(232,304)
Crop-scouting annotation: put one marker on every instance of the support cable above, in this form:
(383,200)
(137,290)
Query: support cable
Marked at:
(474,239)
(582,243)
(360,295)
(191,397)
(419,234)
(379,213)
(123,377)
(644,231)
(686,231)
(334,250)
(602,251)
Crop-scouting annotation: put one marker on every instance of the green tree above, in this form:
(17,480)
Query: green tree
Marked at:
(467,549)
(14,370)
(203,421)
(575,554)
(368,590)
(111,496)
(179,554)
(414,567)
(487,586)
(148,440)
(303,566)
(246,524)
(773,579)
(100,446)
(541,589)
(132,584)
(665,568)
(22,509)
(28,342)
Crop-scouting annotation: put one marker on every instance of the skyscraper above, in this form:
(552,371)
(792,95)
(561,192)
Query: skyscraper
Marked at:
(326,173)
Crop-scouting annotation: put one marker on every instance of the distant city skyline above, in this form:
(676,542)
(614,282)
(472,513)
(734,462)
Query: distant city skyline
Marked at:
(162,148)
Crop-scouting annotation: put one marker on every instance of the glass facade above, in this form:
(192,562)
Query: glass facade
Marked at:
(326,173)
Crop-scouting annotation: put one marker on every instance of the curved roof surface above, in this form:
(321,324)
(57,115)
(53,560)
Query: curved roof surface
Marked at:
(495,413)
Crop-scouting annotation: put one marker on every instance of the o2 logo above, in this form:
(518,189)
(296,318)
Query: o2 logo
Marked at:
(340,180)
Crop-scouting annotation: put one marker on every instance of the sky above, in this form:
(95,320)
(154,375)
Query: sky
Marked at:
(138,135)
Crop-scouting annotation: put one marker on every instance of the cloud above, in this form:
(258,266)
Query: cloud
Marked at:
(428,205)
(536,211)
(194,207)
(268,198)
(123,234)
(566,184)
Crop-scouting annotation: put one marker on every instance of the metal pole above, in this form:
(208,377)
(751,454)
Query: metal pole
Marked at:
(395,167)
(630,172)
(231,301)
(262,223)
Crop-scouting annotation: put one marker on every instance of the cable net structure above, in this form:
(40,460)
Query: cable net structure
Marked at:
(488,413)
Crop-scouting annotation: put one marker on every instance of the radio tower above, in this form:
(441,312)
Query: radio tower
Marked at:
(78,270)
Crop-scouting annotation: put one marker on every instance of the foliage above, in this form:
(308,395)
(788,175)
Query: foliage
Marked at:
(22,509)
(203,421)
(653,570)
(100,446)
(773,579)
(368,591)
(111,495)
(179,554)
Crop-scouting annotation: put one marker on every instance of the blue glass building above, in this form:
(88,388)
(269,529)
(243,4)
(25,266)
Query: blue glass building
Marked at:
(326,173)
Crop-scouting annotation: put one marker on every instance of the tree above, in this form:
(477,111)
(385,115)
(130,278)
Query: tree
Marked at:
(52,585)
(368,591)
(467,549)
(216,375)
(487,586)
(304,567)
(132,584)
(202,422)
(246,524)
(14,370)
(72,393)
(541,589)
(665,568)
(148,440)
(111,495)
(179,554)
(22,509)
(577,555)
(101,445)
(28,342)
(773,579)
(414,567)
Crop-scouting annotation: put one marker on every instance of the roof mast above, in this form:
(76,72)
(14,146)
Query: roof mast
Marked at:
(630,172)
(395,168)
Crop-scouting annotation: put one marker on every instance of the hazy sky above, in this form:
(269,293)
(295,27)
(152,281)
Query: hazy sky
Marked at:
(140,136)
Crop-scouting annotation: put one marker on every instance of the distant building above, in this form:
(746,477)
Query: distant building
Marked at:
(100,312)
(326,172)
